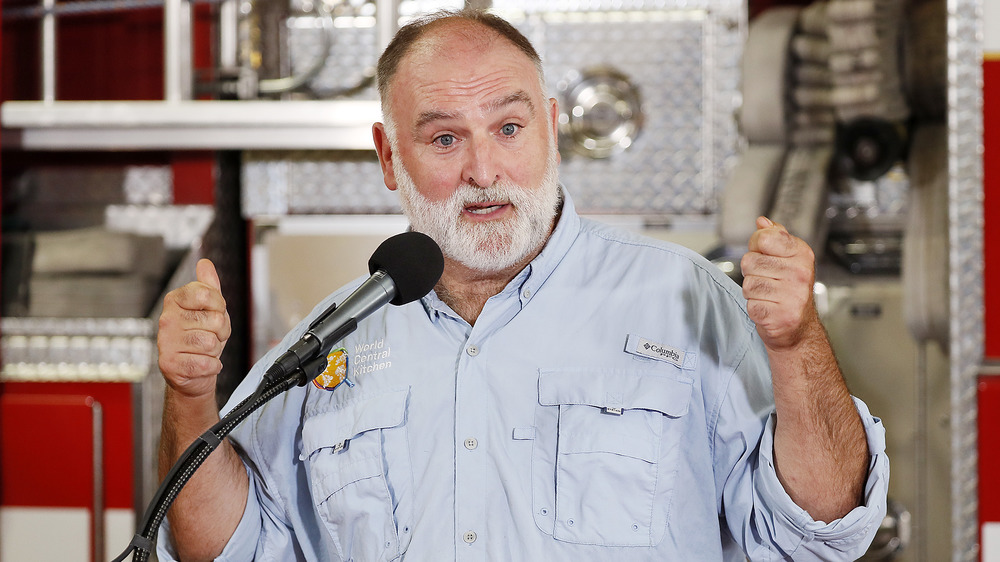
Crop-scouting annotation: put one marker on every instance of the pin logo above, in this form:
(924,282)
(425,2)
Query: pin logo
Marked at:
(335,372)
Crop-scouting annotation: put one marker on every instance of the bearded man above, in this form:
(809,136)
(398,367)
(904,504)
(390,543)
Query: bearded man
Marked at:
(568,391)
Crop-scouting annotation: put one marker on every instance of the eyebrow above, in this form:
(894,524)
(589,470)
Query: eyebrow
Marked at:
(519,96)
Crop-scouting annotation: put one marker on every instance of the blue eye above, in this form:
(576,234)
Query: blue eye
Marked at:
(446,140)
(509,129)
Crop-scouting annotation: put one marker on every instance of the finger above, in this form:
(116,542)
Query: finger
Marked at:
(764,289)
(797,271)
(214,321)
(193,331)
(201,341)
(183,353)
(789,276)
(192,374)
(227,328)
(206,273)
(756,264)
(773,239)
(773,321)
(198,295)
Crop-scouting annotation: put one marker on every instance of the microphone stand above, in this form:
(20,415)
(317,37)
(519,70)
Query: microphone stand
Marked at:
(411,252)
(276,380)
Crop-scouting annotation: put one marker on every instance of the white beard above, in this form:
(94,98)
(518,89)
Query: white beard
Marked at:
(489,246)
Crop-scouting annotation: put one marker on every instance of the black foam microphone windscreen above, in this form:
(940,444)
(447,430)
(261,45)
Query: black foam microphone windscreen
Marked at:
(413,261)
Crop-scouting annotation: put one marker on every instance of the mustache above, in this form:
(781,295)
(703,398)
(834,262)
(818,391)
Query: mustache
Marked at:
(499,192)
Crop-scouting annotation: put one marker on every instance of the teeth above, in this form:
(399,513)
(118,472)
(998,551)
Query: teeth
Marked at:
(483,210)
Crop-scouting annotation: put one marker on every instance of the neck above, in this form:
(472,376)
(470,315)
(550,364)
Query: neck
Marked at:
(466,290)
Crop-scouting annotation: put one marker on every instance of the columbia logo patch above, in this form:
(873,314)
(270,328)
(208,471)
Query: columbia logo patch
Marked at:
(638,345)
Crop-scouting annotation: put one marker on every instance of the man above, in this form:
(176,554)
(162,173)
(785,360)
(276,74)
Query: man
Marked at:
(567,392)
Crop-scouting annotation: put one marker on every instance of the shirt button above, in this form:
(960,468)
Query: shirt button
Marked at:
(471,443)
(469,537)
(472,350)
(527,293)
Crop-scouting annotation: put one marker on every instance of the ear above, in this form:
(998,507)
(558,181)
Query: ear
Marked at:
(384,150)
(554,124)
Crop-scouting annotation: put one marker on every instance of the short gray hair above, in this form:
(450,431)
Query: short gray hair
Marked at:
(412,32)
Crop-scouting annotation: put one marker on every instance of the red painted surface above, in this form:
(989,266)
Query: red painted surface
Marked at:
(46,442)
(194,177)
(989,448)
(40,455)
(991,205)
(103,56)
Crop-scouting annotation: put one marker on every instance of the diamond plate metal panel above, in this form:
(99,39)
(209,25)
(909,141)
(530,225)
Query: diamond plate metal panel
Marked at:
(278,183)
(682,56)
(664,164)
(180,226)
(149,185)
(264,184)
(77,349)
(965,215)
(351,59)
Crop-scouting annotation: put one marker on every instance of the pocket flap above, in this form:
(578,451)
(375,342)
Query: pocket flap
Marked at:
(346,421)
(669,395)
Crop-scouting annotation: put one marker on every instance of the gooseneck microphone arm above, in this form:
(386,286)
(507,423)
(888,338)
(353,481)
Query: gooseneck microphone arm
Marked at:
(144,541)
(404,268)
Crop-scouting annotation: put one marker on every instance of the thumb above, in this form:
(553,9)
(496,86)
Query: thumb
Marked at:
(205,272)
(764,222)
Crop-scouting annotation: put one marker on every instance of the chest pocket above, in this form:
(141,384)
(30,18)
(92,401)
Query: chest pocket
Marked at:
(360,476)
(604,459)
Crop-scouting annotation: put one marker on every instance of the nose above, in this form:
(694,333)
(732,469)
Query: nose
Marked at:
(482,165)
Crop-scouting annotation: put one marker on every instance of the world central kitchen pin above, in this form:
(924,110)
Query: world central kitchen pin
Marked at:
(335,372)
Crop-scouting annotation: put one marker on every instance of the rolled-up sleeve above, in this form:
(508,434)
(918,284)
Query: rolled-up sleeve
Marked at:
(801,537)
(241,546)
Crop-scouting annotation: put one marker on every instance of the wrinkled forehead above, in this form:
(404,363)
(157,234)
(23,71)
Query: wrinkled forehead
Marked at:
(460,53)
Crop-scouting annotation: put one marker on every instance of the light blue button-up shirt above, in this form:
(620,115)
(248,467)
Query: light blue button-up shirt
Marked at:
(613,402)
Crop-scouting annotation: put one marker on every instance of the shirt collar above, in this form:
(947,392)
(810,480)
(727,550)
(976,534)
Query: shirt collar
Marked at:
(563,235)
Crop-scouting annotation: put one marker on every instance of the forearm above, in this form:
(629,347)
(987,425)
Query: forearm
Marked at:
(820,448)
(209,508)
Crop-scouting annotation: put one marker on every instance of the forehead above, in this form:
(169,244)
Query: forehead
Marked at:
(460,63)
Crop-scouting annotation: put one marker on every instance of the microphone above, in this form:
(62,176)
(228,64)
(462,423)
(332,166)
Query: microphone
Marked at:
(403,268)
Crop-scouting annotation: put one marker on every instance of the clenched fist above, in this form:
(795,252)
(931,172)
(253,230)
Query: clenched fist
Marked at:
(194,328)
(778,275)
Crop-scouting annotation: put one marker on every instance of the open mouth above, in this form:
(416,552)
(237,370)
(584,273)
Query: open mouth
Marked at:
(484,209)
